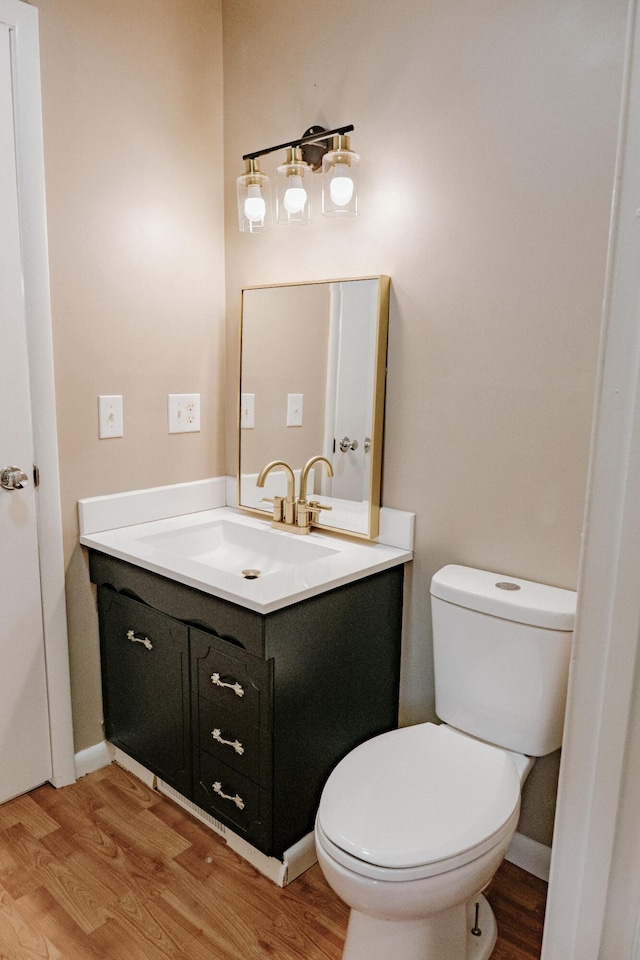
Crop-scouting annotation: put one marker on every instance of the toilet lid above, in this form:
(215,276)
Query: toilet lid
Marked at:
(417,796)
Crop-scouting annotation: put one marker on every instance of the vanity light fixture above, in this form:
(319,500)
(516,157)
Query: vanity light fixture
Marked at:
(312,152)
(340,168)
(254,199)
(293,188)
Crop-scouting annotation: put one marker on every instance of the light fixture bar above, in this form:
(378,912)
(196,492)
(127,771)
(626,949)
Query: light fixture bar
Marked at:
(311,138)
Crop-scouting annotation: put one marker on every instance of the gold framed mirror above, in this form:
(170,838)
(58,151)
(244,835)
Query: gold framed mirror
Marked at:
(313,360)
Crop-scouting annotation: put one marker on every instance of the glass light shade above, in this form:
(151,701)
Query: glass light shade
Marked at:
(340,172)
(293,189)
(254,199)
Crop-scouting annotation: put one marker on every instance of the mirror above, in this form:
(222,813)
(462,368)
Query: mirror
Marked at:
(312,381)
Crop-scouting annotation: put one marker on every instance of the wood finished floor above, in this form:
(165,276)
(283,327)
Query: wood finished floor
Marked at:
(107,868)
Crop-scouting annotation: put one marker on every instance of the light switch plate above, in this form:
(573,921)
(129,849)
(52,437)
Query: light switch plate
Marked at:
(110,418)
(184,412)
(247,411)
(294,409)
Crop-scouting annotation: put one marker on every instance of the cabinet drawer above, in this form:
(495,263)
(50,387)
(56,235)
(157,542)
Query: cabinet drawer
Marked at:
(232,679)
(240,803)
(228,737)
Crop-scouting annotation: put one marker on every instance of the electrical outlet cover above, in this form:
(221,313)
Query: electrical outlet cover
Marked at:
(184,412)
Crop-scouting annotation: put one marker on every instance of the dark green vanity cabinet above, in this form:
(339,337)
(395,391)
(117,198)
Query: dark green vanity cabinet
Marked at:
(246,714)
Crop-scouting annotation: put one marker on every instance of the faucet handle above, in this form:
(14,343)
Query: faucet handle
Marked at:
(307,513)
(314,507)
(278,507)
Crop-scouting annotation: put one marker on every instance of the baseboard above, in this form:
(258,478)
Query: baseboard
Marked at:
(532,856)
(300,857)
(92,759)
(124,760)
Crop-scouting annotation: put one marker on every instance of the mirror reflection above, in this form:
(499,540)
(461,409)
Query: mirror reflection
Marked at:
(312,383)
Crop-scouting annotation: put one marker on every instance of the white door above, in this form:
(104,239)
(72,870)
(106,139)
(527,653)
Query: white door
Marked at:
(351,365)
(25,751)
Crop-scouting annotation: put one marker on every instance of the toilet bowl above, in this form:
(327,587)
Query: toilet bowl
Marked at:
(407,844)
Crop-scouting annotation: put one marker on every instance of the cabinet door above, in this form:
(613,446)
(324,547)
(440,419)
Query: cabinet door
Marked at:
(145,676)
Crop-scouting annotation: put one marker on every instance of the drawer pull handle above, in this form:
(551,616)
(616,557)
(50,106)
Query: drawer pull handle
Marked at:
(237,746)
(143,640)
(239,802)
(237,689)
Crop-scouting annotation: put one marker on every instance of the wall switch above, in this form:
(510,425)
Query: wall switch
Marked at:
(294,409)
(247,410)
(184,412)
(110,420)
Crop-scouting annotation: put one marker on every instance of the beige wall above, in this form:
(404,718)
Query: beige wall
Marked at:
(132,100)
(487,134)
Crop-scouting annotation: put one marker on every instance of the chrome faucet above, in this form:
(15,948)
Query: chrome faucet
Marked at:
(308,512)
(284,509)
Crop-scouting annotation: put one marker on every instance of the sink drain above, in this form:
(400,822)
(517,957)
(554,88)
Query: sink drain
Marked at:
(251,574)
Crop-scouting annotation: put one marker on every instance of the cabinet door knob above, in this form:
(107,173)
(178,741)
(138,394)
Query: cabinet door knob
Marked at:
(237,689)
(237,746)
(143,640)
(239,802)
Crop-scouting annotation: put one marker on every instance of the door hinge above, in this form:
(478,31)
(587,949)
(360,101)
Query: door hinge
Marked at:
(36,475)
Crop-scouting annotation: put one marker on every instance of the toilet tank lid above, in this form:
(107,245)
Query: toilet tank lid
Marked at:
(510,598)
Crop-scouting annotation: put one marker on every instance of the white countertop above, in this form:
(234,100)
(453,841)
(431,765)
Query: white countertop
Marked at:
(348,559)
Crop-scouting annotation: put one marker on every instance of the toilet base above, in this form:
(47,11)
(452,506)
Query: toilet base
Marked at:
(443,936)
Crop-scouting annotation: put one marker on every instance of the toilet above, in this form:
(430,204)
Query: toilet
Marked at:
(413,824)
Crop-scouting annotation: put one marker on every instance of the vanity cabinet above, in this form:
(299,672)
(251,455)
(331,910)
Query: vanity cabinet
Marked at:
(244,713)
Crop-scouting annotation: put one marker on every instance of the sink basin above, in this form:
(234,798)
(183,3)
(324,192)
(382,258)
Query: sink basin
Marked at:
(237,549)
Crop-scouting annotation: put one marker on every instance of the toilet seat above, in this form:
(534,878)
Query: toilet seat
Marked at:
(418,801)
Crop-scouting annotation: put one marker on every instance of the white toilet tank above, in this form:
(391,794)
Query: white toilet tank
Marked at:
(501,654)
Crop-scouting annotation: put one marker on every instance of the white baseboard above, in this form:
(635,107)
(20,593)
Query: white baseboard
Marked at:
(125,761)
(92,759)
(300,857)
(532,856)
